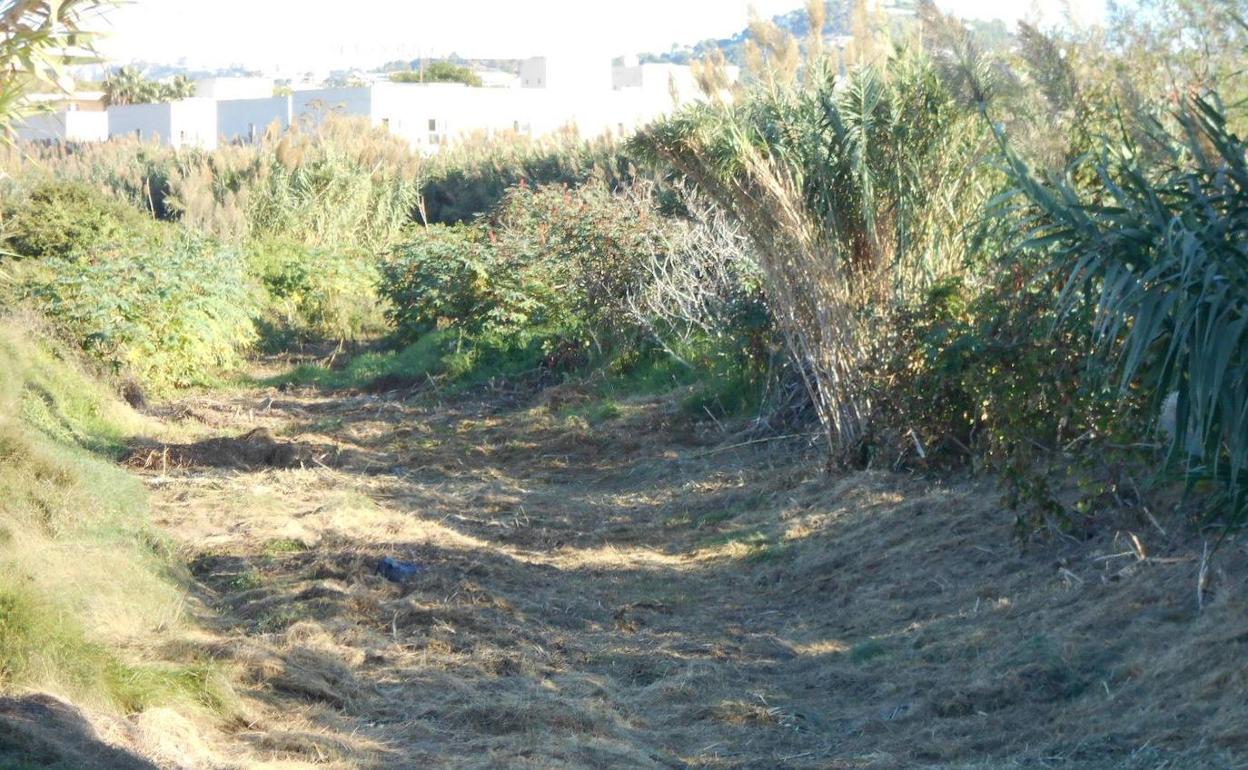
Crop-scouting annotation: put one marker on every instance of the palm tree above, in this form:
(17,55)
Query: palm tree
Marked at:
(180,87)
(128,86)
(39,40)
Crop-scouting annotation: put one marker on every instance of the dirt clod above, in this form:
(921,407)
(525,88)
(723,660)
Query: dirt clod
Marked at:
(255,449)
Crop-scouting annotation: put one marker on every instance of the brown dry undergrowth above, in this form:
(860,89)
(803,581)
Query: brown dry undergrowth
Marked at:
(615,597)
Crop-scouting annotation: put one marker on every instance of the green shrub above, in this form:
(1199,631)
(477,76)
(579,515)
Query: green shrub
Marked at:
(171,314)
(450,277)
(585,249)
(470,179)
(438,72)
(315,293)
(64,219)
(554,257)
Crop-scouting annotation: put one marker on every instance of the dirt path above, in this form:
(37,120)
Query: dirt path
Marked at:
(627,595)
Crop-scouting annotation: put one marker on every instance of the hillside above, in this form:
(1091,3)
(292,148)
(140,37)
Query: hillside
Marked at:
(794,22)
(993,34)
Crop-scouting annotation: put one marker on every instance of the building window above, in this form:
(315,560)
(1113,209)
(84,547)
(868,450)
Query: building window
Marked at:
(385,122)
(433,124)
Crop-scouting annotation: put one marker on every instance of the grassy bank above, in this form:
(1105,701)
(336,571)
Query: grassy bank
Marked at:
(87,589)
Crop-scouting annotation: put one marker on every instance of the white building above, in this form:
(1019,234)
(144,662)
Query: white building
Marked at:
(64,126)
(584,74)
(585,94)
(317,103)
(659,79)
(425,114)
(247,120)
(498,79)
(188,122)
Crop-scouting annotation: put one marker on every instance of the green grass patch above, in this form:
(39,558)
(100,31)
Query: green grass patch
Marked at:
(415,362)
(595,413)
(869,650)
(40,644)
(283,546)
(247,580)
(713,518)
(715,380)
(450,358)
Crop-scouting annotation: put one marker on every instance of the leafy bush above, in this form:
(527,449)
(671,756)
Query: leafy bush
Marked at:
(589,246)
(450,277)
(62,219)
(173,313)
(317,294)
(550,258)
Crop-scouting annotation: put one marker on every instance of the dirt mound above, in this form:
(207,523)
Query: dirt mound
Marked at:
(254,449)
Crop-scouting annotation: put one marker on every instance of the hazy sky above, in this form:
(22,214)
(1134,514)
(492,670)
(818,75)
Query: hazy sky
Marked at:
(320,33)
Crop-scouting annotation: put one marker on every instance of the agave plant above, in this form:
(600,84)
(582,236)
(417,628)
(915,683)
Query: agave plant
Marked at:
(1159,248)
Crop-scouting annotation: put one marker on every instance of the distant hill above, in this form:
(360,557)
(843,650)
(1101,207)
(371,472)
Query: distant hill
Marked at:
(993,34)
(794,22)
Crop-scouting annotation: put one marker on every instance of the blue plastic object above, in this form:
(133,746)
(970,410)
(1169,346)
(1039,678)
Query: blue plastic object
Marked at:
(397,571)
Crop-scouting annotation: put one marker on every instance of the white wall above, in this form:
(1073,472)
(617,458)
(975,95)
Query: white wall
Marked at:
(64,126)
(194,123)
(658,78)
(189,122)
(145,121)
(585,73)
(432,114)
(533,72)
(247,120)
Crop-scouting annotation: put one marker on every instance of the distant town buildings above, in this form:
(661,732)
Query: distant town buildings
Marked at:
(550,93)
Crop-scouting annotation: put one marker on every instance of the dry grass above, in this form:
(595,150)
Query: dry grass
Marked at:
(613,597)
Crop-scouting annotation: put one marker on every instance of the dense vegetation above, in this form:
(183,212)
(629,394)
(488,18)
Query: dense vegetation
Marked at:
(127,85)
(871,246)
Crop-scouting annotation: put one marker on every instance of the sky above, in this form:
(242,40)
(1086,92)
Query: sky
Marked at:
(293,35)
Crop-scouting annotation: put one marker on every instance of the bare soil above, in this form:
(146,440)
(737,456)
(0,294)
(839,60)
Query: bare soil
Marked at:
(632,594)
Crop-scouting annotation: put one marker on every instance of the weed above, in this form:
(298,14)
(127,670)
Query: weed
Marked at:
(283,546)
(247,580)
